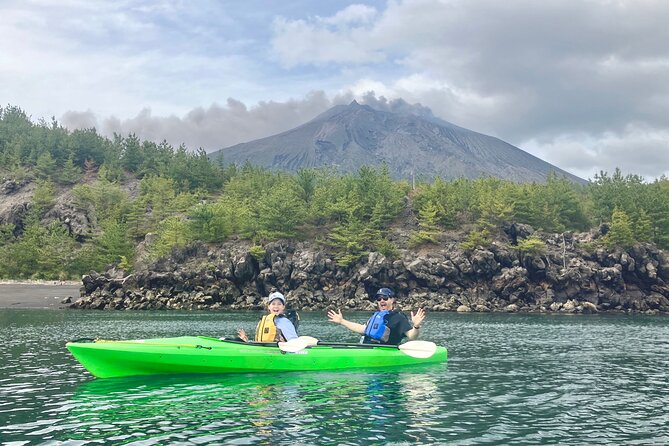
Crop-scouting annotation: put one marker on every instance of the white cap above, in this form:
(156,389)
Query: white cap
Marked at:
(276,295)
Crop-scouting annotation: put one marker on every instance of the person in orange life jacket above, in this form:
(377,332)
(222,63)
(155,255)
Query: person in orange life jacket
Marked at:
(387,325)
(274,326)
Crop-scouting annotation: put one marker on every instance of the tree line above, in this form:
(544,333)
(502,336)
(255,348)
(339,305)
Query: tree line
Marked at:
(181,196)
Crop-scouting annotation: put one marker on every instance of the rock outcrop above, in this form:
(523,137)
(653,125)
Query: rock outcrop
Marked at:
(568,278)
(16,199)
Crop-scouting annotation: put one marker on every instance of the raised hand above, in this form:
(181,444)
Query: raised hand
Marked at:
(335,317)
(417,319)
(242,335)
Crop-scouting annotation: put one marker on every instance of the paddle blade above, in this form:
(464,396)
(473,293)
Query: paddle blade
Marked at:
(418,349)
(309,340)
(293,346)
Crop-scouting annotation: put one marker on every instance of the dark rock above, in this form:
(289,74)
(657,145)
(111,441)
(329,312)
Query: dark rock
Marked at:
(442,279)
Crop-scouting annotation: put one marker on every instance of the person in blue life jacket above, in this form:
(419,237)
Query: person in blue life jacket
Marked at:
(387,325)
(276,325)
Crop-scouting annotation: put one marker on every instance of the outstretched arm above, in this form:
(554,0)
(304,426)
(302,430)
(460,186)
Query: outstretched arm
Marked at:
(416,319)
(337,318)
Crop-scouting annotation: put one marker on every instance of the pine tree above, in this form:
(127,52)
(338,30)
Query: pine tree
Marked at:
(70,173)
(427,222)
(44,196)
(172,233)
(45,166)
(620,233)
(643,229)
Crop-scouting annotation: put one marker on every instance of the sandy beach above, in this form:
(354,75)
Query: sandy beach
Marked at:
(37,294)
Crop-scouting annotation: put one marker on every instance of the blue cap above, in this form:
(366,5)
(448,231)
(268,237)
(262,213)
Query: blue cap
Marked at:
(385,292)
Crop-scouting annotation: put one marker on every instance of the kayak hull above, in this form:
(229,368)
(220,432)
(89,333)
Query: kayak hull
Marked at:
(199,354)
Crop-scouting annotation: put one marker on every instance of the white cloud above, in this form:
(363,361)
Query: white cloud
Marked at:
(635,150)
(211,128)
(352,14)
(298,42)
(119,57)
(555,66)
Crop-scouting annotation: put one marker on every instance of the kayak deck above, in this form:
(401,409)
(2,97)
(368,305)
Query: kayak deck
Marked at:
(200,354)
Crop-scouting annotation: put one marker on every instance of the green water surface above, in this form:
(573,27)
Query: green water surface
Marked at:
(510,379)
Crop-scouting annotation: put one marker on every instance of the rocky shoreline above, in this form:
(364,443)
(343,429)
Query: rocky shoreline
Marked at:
(570,277)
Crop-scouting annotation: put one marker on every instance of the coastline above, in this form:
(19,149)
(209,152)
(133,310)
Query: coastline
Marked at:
(37,293)
(40,282)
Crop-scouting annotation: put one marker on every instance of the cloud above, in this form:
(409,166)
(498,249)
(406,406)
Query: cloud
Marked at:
(636,150)
(213,127)
(352,14)
(119,57)
(341,38)
(560,65)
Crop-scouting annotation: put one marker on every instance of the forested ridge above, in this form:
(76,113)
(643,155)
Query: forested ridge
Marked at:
(137,200)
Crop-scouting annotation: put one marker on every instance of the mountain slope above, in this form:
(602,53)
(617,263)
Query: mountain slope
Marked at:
(349,136)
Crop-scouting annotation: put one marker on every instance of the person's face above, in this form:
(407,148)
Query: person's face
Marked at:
(385,302)
(276,306)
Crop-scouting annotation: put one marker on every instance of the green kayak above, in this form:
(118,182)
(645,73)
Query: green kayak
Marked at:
(200,354)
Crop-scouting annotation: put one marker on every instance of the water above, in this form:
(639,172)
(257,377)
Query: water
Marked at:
(510,379)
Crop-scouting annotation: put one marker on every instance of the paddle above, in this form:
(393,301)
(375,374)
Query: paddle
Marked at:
(418,349)
(415,349)
(310,340)
(297,344)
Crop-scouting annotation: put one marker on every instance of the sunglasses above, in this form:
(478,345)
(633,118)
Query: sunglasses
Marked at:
(380,298)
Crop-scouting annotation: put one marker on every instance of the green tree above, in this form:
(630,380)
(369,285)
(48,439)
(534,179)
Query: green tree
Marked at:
(172,233)
(111,245)
(427,222)
(643,228)
(70,173)
(349,241)
(306,181)
(615,191)
(102,201)
(6,233)
(531,246)
(475,239)
(131,156)
(86,145)
(158,200)
(211,223)
(44,196)
(279,211)
(45,166)
(42,252)
(620,233)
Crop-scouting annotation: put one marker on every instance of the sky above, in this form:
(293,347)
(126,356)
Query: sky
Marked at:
(583,84)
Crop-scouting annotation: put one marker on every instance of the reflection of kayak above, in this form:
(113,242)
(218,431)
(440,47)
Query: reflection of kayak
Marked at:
(199,354)
(328,407)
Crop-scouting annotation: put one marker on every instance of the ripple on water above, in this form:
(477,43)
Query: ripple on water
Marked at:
(511,379)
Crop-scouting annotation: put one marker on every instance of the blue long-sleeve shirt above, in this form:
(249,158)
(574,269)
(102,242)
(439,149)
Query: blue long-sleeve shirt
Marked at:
(287,328)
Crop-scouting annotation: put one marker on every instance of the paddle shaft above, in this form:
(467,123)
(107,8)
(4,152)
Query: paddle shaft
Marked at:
(351,344)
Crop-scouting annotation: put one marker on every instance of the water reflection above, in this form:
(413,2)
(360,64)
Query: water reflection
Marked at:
(293,408)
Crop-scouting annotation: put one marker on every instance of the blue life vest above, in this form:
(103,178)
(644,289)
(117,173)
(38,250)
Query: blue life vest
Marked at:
(377,326)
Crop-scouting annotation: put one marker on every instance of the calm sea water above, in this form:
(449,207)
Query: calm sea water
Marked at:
(510,379)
